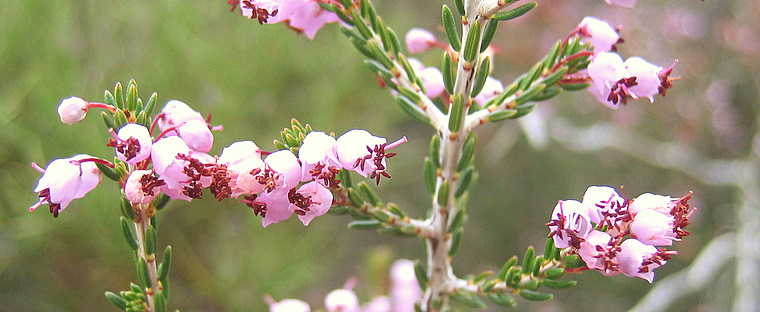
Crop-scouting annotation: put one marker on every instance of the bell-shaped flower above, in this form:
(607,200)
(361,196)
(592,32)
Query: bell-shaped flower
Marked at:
(432,79)
(491,89)
(611,81)
(602,202)
(653,228)
(72,110)
(319,160)
(310,201)
(310,17)
(649,201)
(281,172)
(165,151)
(239,151)
(601,35)
(273,208)
(289,305)
(419,40)
(356,149)
(132,143)
(637,259)
(174,114)
(196,135)
(569,224)
(64,180)
(598,252)
(405,291)
(142,186)
(342,300)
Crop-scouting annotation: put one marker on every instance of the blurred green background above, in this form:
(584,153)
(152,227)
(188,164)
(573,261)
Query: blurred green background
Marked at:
(254,78)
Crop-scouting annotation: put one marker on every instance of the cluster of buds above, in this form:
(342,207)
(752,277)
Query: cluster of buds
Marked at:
(176,163)
(613,80)
(404,294)
(303,16)
(613,234)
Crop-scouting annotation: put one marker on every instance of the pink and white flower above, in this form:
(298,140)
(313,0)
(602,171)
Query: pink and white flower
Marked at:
(653,228)
(64,180)
(637,259)
(72,110)
(602,202)
(132,143)
(176,113)
(601,35)
(142,186)
(342,300)
(419,40)
(570,224)
(310,201)
(599,251)
(491,89)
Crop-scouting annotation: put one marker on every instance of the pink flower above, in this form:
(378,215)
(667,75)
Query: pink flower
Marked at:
(419,40)
(378,304)
(491,89)
(239,151)
(196,135)
(602,201)
(570,224)
(310,201)
(601,35)
(649,201)
(650,79)
(288,305)
(310,17)
(176,113)
(245,178)
(432,79)
(356,151)
(611,80)
(598,251)
(305,16)
(142,186)
(272,207)
(132,143)
(319,160)
(342,300)
(72,110)
(622,3)
(405,291)
(637,259)
(64,180)
(653,228)
(281,173)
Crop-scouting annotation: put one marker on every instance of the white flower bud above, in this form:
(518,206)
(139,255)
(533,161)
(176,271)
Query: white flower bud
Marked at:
(72,110)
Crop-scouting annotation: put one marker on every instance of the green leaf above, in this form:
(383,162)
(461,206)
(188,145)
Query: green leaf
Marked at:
(118,93)
(515,13)
(529,94)
(421,274)
(166,264)
(126,208)
(412,109)
(430,175)
(530,76)
(481,76)
(161,201)
(548,93)
(502,299)
(456,242)
(537,264)
(407,67)
(530,254)
(457,221)
(459,4)
(464,182)
(131,96)
(369,194)
(574,86)
(354,197)
(443,193)
(120,118)
(549,247)
(117,300)
(361,25)
(108,119)
(534,295)
(448,73)
(109,99)
(450,26)
(501,115)
(364,224)
(143,276)
(341,15)
(150,240)
(556,76)
(395,209)
(380,215)
(558,284)
(128,235)
(456,113)
(555,273)
(472,45)
(468,151)
(488,34)
(108,172)
(469,299)
(505,269)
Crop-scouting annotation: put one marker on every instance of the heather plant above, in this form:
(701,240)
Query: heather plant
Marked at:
(164,156)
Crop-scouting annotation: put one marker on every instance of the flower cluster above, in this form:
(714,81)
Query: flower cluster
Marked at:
(404,293)
(176,163)
(598,229)
(303,16)
(613,80)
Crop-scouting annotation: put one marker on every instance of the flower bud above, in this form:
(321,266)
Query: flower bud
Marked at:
(72,110)
(419,40)
(342,300)
(601,35)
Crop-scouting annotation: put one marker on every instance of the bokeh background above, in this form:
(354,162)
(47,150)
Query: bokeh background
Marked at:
(254,78)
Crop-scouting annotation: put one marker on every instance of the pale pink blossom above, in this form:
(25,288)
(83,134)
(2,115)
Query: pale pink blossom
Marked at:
(405,290)
(653,228)
(491,89)
(649,201)
(342,300)
(305,16)
(239,151)
(132,143)
(569,224)
(601,35)
(432,79)
(319,160)
(142,186)
(419,40)
(637,259)
(244,176)
(174,114)
(356,151)
(601,201)
(310,201)
(378,304)
(288,305)
(598,252)
(72,110)
(64,180)
(611,81)
(196,135)
(276,208)
(310,18)
(281,173)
